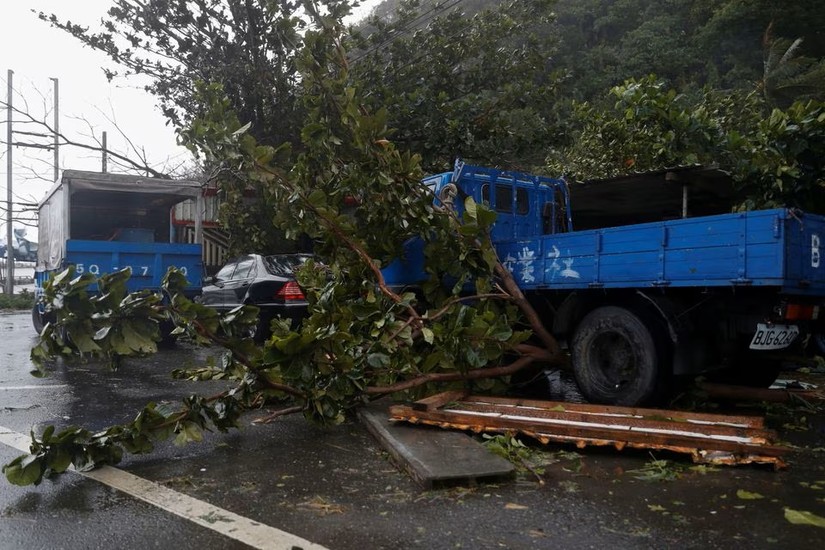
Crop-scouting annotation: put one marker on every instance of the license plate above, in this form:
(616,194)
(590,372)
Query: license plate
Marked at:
(774,336)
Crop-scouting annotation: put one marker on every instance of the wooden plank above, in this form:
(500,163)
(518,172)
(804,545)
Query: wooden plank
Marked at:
(649,423)
(439,400)
(619,438)
(750,421)
(433,456)
(706,437)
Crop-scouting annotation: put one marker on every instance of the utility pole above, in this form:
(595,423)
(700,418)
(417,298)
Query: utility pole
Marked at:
(103,166)
(56,128)
(9,246)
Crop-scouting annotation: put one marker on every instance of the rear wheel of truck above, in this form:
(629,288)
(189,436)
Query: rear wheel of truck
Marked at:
(616,357)
(167,339)
(38,320)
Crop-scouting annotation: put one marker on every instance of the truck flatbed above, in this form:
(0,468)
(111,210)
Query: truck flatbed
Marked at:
(777,248)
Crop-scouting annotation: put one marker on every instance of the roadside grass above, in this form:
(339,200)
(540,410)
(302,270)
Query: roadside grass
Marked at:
(24,300)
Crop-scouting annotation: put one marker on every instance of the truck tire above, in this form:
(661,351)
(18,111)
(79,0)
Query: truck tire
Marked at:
(167,339)
(616,357)
(38,322)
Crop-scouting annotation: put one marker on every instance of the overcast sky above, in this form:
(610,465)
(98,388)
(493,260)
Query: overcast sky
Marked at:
(89,104)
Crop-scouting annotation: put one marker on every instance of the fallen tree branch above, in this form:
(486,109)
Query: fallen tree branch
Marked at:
(485,372)
(277,414)
(527,309)
(744,393)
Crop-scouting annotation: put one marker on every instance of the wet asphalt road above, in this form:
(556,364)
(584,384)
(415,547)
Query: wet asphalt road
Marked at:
(335,487)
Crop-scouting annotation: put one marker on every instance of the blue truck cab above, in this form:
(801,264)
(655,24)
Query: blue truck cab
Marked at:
(101,223)
(640,305)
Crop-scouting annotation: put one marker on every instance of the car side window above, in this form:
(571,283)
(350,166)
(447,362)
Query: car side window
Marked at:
(245,269)
(225,272)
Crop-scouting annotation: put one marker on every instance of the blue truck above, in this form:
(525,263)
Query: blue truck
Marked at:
(101,223)
(643,305)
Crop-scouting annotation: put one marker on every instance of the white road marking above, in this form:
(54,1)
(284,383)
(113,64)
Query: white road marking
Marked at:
(12,388)
(13,439)
(256,535)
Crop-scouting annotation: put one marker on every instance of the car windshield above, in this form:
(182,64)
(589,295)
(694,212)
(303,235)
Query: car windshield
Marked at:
(285,264)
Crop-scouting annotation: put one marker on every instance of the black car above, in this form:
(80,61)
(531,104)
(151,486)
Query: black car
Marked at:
(267,282)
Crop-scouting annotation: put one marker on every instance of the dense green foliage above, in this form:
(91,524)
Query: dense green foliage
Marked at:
(722,67)
(775,156)
(489,81)
(689,43)
(24,300)
(113,324)
(249,47)
(477,87)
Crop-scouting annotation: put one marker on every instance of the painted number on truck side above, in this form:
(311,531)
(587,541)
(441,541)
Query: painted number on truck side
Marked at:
(94,269)
(141,270)
(814,250)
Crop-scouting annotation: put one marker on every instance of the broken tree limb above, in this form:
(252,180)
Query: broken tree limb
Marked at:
(744,393)
(486,372)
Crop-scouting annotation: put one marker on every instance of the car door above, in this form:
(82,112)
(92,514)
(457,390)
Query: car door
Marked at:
(214,294)
(235,289)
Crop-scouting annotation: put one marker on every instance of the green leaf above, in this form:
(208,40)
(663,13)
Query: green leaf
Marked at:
(485,216)
(242,129)
(317,198)
(801,517)
(470,208)
(378,360)
(83,341)
(60,460)
(427,334)
(135,341)
(746,495)
(191,432)
(22,473)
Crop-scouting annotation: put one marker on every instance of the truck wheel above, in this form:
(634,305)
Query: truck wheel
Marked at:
(167,339)
(37,320)
(616,358)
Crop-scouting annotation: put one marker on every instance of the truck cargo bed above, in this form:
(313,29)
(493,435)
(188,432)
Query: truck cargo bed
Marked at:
(149,261)
(779,248)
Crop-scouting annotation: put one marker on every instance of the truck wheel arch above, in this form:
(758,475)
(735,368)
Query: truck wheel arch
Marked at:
(578,304)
